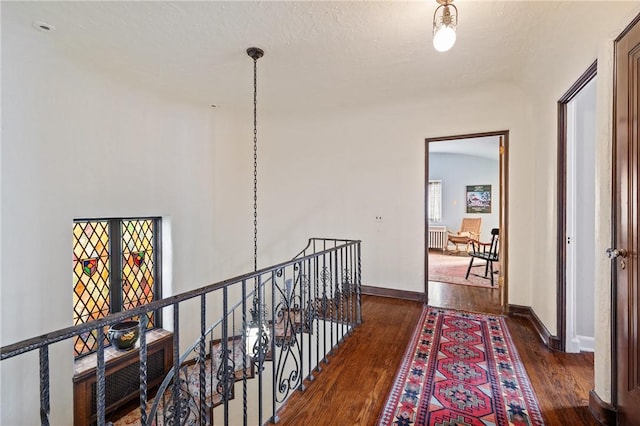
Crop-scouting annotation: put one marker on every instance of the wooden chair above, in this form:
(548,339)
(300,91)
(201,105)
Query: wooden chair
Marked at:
(469,230)
(487,252)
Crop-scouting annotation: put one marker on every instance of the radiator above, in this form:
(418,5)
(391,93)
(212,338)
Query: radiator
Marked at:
(437,237)
(121,376)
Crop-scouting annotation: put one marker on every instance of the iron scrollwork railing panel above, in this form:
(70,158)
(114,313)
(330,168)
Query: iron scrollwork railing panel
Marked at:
(288,326)
(298,306)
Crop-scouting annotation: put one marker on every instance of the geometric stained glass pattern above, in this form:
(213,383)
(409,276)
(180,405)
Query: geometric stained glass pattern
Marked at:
(91,278)
(137,263)
(93,268)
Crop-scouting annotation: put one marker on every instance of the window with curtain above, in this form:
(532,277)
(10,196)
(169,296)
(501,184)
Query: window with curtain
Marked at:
(435,201)
(115,268)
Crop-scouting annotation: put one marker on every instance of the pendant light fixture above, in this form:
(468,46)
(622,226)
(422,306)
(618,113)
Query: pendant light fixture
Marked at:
(257,331)
(444,25)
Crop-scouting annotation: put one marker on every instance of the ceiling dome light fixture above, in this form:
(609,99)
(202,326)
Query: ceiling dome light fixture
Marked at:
(444,26)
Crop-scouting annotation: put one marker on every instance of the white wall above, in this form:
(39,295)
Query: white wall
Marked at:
(456,172)
(78,144)
(603,194)
(332,172)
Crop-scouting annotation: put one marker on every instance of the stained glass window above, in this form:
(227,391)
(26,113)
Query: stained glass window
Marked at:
(138,268)
(124,249)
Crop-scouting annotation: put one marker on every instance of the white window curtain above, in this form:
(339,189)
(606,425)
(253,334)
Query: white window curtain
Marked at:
(435,201)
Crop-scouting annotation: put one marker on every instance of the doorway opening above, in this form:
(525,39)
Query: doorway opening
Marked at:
(576,216)
(466,181)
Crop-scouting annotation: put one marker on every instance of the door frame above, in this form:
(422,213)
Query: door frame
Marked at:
(503,209)
(558,342)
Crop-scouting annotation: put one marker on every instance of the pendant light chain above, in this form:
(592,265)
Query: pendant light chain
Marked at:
(255,53)
(255,163)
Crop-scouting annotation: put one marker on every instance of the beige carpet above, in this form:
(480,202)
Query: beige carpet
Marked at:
(451,268)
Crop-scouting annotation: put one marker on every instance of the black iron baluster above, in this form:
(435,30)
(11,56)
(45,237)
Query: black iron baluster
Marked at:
(301,328)
(203,361)
(274,373)
(325,304)
(337,295)
(333,258)
(244,352)
(176,365)
(316,301)
(310,315)
(260,348)
(340,288)
(351,288)
(358,286)
(224,358)
(343,284)
(100,384)
(143,369)
(346,289)
(44,386)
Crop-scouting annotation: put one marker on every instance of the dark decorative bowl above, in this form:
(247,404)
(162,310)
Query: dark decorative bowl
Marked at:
(124,335)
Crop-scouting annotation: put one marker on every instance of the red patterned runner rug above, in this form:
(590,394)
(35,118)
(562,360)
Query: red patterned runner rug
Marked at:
(461,368)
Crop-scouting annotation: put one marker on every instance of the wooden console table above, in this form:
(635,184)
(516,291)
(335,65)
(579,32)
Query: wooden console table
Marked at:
(122,375)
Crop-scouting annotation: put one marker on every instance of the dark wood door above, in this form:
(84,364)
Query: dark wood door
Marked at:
(627,217)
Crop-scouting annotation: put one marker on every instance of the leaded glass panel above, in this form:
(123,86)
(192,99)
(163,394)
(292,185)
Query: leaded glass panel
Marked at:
(91,278)
(137,263)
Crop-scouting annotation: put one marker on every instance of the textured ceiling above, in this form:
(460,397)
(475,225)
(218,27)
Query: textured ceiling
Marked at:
(326,54)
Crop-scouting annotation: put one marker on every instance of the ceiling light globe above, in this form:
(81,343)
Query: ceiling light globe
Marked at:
(444,38)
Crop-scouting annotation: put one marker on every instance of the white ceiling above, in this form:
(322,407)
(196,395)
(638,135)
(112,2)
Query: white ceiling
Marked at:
(318,54)
(485,147)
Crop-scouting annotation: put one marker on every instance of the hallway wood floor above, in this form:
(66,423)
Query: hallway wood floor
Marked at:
(352,389)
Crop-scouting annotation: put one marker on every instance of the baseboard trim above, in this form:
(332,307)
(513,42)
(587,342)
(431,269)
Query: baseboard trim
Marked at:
(587,343)
(603,412)
(394,293)
(555,343)
(552,342)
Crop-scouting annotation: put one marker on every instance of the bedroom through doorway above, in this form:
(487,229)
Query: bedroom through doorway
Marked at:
(465,235)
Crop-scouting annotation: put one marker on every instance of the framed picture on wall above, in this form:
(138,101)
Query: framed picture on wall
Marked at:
(478,198)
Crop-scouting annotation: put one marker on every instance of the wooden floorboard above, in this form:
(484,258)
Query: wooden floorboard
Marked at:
(352,389)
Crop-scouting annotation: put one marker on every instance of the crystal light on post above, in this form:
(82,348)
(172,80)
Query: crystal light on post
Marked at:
(252,337)
(252,330)
(257,334)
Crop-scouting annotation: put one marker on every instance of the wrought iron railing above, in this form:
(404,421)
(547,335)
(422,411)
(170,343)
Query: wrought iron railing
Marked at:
(271,331)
